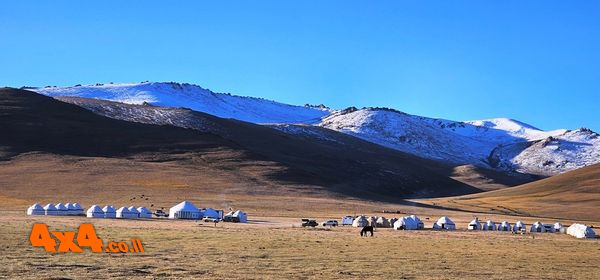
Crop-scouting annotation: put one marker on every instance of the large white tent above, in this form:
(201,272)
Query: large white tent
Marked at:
(109,211)
(411,222)
(474,225)
(50,209)
(360,221)
(61,209)
(36,209)
(185,210)
(504,226)
(95,212)
(581,231)
(145,213)
(519,226)
(489,225)
(537,227)
(444,223)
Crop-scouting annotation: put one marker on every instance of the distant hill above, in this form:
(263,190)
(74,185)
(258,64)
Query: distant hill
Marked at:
(502,144)
(572,195)
(264,159)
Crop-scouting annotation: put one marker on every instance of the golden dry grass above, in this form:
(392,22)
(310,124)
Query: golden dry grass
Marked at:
(184,249)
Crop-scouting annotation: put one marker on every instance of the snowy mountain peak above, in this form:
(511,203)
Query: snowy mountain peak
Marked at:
(251,109)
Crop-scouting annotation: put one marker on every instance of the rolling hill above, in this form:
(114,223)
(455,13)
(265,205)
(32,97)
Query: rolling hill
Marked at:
(571,195)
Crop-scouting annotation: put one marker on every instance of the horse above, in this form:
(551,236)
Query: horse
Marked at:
(366,230)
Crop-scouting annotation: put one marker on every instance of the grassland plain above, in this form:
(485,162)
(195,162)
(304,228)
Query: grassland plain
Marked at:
(276,248)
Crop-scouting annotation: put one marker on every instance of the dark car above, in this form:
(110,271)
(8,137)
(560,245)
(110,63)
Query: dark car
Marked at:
(309,223)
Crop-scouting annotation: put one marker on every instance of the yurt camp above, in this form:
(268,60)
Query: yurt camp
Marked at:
(35,210)
(474,225)
(125,213)
(95,212)
(185,210)
(109,211)
(444,223)
(360,221)
(581,231)
(144,213)
(50,210)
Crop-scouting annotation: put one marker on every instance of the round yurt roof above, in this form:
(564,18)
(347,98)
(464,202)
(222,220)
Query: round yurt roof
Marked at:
(94,208)
(537,224)
(558,225)
(474,222)
(381,219)
(49,206)
(108,208)
(505,223)
(133,210)
(123,210)
(60,206)
(144,210)
(519,224)
(185,206)
(490,222)
(444,220)
(36,206)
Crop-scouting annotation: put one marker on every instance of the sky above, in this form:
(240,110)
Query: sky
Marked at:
(534,61)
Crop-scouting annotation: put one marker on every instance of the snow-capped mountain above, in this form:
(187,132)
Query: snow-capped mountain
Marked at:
(255,110)
(500,143)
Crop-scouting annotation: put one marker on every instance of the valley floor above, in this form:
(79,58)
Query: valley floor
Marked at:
(277,248)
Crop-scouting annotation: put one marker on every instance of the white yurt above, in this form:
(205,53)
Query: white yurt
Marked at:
(408,223)
(519,226)
(145,213)
(372,221)
(581,231)
(210,213)
(124,213)
(382,222)
(537,227)
(134,212)
(109,211)
(95,212)
(241,215)
(50,210)
(558,227)
(444,223)
(504,226)
(36,209)
(185,210)
(360,221)
(77,209)
(61,209)
(474,225)
(70,209)
(489,225)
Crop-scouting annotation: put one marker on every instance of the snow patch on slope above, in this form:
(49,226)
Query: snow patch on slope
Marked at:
(222,105)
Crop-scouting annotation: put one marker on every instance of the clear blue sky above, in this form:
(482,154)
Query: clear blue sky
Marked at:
(535,61)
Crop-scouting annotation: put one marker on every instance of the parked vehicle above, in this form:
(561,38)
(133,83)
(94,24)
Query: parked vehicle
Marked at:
(160,213)
(309,223)
(331,223)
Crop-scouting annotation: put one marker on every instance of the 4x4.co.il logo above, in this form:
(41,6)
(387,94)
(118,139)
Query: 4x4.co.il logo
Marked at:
(86,237)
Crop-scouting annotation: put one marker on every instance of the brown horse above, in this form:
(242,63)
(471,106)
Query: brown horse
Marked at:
(366,230)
